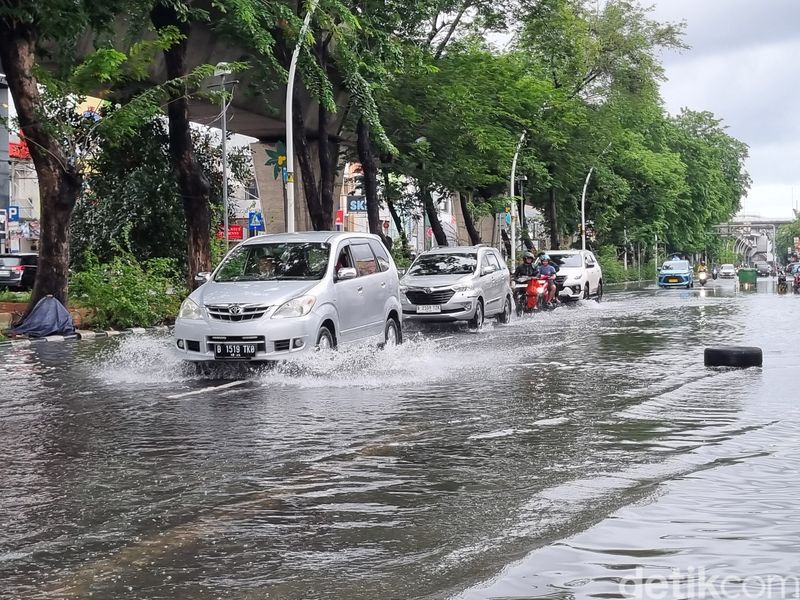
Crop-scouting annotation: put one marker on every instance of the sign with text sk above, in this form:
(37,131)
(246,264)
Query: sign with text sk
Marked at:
(356,204)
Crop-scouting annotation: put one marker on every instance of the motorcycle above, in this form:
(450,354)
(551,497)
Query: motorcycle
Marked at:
(796,284)
(532,294)
(783,286)
(714,273)
(702,277)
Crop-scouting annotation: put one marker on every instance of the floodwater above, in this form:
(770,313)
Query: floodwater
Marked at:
(584,453)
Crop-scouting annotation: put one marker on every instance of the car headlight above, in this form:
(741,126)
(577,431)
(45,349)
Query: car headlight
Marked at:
(462,288)
(578,277)
(296,307)
(190,310)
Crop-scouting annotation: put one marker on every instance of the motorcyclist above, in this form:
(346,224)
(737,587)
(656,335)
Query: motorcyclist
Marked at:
(702,268)
(546,268)
(527,268)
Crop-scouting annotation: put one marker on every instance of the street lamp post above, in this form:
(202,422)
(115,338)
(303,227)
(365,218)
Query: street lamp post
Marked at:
(583,200)
(289,119)
(513,202)
(222,69)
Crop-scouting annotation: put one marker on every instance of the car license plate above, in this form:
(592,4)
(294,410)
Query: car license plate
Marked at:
(673,280)
(235,351)
(5,273)
(429,308)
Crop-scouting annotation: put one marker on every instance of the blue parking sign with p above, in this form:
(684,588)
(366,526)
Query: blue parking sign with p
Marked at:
(13,213)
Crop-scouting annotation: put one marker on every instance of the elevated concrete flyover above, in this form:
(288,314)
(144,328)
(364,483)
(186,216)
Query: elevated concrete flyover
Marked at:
(253,112)
(754,236)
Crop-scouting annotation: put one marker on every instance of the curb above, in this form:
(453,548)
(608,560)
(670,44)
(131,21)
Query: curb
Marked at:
(83,334)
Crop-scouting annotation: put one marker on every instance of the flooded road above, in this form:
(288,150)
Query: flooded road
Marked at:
(572,455)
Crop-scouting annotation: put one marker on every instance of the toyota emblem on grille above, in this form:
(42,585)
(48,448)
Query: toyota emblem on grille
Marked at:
(428,291)
(234,309)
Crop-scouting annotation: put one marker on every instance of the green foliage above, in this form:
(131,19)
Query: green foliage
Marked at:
(614,268)
(127,293)
(131,198)
(7,295)
(785,239)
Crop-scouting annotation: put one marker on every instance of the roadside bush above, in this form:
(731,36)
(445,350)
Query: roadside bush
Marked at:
(9,296)
(127,293)
(614,269)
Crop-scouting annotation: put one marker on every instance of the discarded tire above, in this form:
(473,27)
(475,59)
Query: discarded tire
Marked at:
(734,356)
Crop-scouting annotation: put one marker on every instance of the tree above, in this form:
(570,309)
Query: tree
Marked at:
(60,140)
(132,201)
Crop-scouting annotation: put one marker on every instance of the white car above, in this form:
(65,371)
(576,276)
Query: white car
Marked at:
(579,274)
(274,296)
(727,271)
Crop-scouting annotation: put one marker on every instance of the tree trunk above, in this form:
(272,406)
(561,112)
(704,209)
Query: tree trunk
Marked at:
(433,217)
(398,223)
(369,168)
(59,183)
(192,182)
(474,234)
(553,218)
(328,169)
(306,164)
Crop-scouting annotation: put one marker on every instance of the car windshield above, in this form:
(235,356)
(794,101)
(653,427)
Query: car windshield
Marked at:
(449,263)
(676,265)
(277,261)
(566,260)
(10,261)
(728,267)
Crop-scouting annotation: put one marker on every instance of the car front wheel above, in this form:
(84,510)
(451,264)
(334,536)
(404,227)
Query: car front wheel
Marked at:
(325,339)
(505,316)
(392,336)
(476,322)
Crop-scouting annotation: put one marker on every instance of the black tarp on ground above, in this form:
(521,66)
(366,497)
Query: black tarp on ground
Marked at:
(48,317)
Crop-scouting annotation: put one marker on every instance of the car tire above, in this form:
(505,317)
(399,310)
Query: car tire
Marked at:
(505,316)
(392,334)
(476,322)
(733,356)
(325,340)
(599,295)
(586,291)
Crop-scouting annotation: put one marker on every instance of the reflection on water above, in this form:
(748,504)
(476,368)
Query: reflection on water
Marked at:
(547,458)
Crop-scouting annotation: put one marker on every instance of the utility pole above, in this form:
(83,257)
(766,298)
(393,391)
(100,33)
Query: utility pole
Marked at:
(5,171)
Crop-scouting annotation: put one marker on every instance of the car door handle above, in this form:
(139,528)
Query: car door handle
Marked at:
(361,290)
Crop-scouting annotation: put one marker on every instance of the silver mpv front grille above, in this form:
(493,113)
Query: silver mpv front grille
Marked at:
(236,312)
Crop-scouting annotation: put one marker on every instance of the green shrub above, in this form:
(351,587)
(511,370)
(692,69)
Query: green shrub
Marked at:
(9,296)
(614,269)
(127,293)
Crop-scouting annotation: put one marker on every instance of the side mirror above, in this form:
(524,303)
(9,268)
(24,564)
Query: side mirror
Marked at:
(202,277)
(488,270)
(590,265)
(401,272)
(346,273)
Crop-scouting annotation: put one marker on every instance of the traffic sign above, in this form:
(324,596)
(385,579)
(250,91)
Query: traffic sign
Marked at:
(13,213)
(255,220)
(339,217)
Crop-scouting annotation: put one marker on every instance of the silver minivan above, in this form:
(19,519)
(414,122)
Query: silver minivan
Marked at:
(461,283)
(274,296)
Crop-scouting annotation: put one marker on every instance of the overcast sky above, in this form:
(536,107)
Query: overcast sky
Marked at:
(744,66)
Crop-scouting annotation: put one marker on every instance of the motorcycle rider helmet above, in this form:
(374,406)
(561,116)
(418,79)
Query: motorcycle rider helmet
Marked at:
(527,255)
(544,257)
